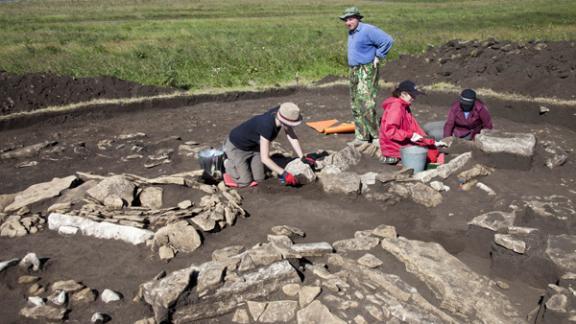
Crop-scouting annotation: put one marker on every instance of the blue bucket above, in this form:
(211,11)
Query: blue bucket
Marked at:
(414,157)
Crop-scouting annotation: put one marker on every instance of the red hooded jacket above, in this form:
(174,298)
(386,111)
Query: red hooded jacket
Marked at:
(397,126)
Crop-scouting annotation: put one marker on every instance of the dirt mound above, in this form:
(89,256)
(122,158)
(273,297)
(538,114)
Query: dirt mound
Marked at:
(537,69)
(32,91)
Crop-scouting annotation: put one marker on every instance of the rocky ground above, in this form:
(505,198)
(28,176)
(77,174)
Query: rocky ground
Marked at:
(105,216)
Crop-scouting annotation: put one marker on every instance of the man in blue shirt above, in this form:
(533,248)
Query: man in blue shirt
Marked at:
(367,45)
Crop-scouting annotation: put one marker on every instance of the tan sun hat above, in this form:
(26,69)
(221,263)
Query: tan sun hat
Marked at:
(289,114)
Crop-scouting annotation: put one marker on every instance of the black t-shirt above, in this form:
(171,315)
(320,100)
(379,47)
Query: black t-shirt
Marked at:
(247,135)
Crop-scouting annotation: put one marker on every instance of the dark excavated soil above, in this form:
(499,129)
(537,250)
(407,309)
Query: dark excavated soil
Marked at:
(536,69)
(207,119)
(29,92)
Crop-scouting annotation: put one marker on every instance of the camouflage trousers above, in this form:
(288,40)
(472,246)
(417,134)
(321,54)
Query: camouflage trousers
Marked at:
(363,91)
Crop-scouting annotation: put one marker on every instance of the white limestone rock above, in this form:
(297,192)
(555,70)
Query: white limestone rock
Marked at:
(511,242)
(302,171)
(30,260)
(495,220)
(102,230)
(496,141)
(312,249)
(445,170)
(356,244)
(109,296)
(345,182)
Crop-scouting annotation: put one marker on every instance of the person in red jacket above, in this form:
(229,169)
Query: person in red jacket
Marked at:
(398,126)
(467,117)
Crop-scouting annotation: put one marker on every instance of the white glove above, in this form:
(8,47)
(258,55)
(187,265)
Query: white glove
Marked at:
(440,144)
(376,61)
(415,137)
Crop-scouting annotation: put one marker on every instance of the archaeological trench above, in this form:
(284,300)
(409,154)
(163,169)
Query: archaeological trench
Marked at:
(106,215)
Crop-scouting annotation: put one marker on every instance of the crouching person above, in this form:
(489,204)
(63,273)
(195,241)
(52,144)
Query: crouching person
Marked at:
(248,146)
(467,117)
(399,128)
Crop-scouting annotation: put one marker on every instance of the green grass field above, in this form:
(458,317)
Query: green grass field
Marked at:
(204,44)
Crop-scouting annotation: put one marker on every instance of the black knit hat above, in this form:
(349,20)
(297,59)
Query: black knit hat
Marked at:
(467,99)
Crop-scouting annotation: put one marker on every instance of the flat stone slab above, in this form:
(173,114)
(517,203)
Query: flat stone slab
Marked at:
(445,170)
(561,249)
(461,291)
(39,192)
(511,242)
(317,313)
(312,249)
(496,141)
(494,220)
(345,182)
(102,230)
(249,286)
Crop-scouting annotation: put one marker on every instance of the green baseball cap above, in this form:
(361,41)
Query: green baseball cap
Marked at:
(351,12)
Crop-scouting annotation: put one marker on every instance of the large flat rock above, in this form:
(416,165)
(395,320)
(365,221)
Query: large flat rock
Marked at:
(40,191)
(461,291)
(249,286)
(561,249)
(495,141)
(102,230)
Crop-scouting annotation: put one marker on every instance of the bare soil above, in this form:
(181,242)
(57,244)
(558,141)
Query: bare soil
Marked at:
(207,120)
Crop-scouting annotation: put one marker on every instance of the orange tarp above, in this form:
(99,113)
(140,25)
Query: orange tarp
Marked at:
(342,128)
(320,126)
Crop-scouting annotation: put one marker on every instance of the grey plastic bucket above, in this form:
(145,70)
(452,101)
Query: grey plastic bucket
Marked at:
(414,157)
(212,161)
(435,129)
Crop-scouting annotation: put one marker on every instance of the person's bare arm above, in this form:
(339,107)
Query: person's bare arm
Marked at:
(265,156)
(293,139)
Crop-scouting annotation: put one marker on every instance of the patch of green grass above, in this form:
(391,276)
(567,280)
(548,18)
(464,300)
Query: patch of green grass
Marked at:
(198,44)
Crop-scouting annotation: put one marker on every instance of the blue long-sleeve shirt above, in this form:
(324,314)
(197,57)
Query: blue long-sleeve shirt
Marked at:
(365,42)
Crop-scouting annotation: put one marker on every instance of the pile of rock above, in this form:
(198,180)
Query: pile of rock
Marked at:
(52,301)
(523,239)
(328,283)
(125,207)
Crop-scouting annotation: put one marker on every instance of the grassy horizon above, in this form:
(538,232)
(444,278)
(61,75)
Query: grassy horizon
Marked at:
(224,43)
